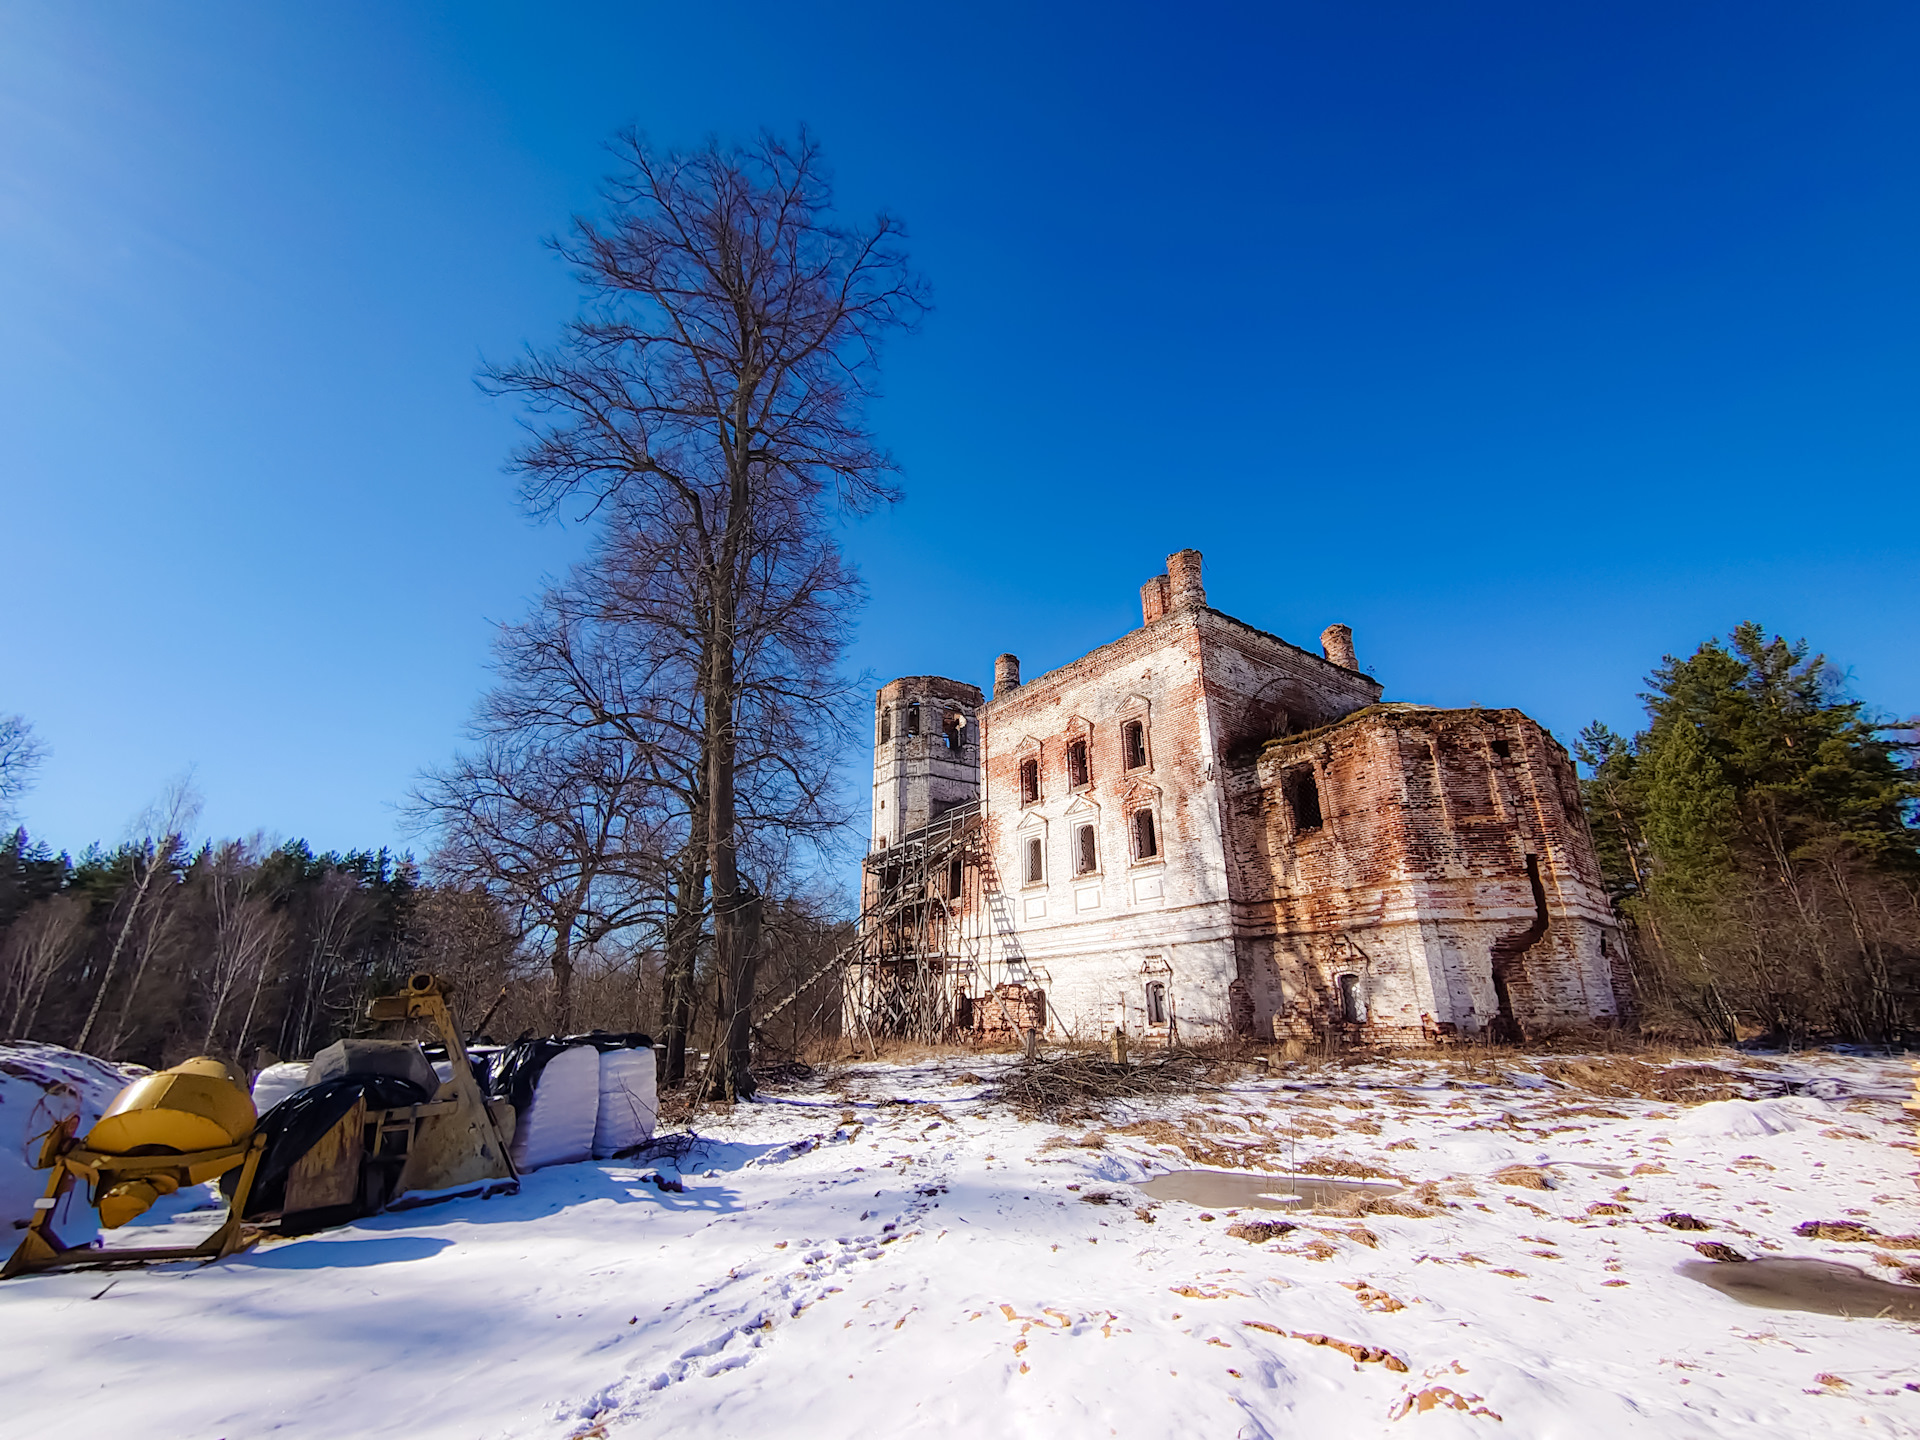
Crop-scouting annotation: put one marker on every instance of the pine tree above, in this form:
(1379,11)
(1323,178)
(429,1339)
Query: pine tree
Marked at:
(1760,834)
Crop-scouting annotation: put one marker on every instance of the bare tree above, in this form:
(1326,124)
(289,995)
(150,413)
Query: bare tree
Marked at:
(21,754)
(338,911)
(556,831)
(462,935)
(618,651)
(158,854)
(37,944)
(248,933)
(716,390)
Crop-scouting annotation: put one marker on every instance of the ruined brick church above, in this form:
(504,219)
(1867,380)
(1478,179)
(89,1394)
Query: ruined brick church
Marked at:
(1201,830)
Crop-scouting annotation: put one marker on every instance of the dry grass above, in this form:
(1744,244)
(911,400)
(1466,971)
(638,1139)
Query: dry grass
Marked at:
(1359,1354)
(1357,1203)
(1851,1232)
(1344,1167)
(1259,1232)
(1524,1177)
(1194,1145)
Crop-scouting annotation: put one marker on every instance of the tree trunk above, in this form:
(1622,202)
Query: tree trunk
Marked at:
(742,982)
(732,956)
(119,943)
(562,963)
(683,947)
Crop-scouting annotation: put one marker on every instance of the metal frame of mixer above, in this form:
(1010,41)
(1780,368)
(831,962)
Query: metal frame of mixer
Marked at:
(461,1142)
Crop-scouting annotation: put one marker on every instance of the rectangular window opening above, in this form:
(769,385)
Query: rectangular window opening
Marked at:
(886,725)
(1086,860)
(1077,772)
(956,876)
(954,728)
(913,719)
(1134,740)
(1156,1003)
(1303,799)
(1029,781)
(1146,844)
(1036,871)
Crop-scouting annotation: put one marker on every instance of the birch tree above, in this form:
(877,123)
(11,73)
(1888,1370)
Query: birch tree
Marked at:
(37,945)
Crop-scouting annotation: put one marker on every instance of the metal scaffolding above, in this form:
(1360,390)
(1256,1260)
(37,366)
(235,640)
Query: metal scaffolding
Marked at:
(935,936)
(921,949)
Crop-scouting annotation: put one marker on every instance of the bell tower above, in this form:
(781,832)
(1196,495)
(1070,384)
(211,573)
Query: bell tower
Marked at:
(926,753)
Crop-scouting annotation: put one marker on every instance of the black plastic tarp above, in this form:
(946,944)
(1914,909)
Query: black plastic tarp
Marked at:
(516,1070)
(604,1040)
(294,1125)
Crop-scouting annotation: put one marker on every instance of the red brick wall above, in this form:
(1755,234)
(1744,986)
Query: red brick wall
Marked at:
(1417,879)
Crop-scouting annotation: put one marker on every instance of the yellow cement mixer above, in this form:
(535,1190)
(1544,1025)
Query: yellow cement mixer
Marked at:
(183,1126)
(196,1123)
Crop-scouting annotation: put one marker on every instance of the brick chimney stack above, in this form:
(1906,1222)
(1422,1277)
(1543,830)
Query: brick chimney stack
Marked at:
(1336,643)
(1155,599)
(1183,577)
(1006,675)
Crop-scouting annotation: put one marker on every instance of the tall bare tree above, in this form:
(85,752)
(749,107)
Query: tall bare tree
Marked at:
(158,855)
(715,387)
(618,650)
(248,934)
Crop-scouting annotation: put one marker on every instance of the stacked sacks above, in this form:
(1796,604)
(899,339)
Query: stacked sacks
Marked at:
(629,1095)
(276,1083)
(554,1086)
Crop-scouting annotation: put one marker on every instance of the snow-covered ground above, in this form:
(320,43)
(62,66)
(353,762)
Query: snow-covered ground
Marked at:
(883,1253)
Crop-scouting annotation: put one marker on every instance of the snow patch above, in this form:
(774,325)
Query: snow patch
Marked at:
(40,1086)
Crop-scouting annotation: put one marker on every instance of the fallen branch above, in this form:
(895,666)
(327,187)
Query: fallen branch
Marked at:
(1081,1083)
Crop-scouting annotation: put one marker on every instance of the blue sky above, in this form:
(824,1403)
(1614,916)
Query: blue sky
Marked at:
(1531,341)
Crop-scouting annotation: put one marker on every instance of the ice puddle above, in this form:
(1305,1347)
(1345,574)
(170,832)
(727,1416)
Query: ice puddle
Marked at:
(1227,1189)
(1821,1286)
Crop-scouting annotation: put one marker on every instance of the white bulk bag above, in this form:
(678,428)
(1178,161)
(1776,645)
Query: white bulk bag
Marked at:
(629,1101)
(276,1083)
(556,1128)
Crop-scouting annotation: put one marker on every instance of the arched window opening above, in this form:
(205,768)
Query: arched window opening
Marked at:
(1078,772)
(886,725)
(954,728)
(913,718)
(1134,742)
(1156,1002)
(1303,799)
(1036,861)
(1029,781)
(1146,844)
(1353,1009)
(1085,856)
